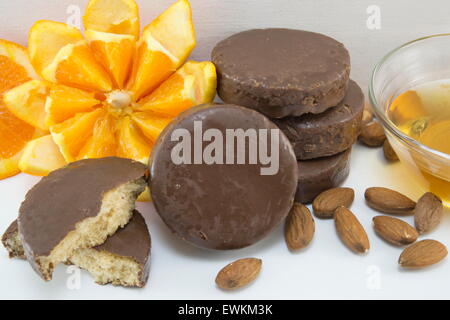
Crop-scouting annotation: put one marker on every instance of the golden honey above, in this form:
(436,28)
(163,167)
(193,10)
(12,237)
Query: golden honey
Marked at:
(423,113)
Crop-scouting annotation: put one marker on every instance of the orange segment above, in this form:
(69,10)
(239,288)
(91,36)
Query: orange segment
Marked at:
(27,102)
(165,45)
(193,84)
(114,52)
(151,125)
(15,69)
(102,143)
(41,156)
(131,143)
(61,54)
(64,102)
(71,135)
(112,16)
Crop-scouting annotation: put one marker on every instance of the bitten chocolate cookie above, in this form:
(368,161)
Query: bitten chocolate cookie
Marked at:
(282,72)
(331,132)
(317,175)
(232,197)
(124,258)
(77,206)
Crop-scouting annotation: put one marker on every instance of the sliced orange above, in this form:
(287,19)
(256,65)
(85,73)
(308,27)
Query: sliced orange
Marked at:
(15,69)
(27,102)
(102,143)
(71,135)
(60,53)
(131,143)
(64,102)
(164,46)
(41,156)
(111,94)
(192,84)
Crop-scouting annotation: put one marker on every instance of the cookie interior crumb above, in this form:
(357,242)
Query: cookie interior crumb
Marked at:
(116,210)
(106,267)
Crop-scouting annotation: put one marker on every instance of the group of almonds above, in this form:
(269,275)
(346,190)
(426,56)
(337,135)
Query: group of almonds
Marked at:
(334,204)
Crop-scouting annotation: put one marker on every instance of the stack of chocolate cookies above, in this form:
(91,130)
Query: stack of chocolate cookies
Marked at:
(300,80)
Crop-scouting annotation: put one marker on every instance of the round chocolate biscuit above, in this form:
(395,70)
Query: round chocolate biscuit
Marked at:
(318,175)
(331,132)
(282,72)
(218,205)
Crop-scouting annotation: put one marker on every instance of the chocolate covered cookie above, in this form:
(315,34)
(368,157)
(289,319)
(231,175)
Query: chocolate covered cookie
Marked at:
(213,182)
(123,259)
(331,132)
(317,175)
(282,72)
(77,207)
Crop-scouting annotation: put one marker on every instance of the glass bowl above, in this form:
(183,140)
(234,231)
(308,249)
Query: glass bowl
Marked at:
(412,64)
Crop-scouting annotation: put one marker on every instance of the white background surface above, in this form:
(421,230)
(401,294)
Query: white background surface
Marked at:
(326,269)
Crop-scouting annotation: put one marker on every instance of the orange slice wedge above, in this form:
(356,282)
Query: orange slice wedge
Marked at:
(112,28)
(60,54)
(15,69)
(71,135)
(27,102)
(64,102)
(192,84)
(41,156)
(151,125)
(131,143)
(164,46)
(102,143)
(112,16)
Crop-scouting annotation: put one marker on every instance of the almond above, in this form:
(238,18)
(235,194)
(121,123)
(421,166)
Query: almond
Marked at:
(367,115)
(394,230)
(372,134)
(238,273)
(389,152)
(299,228)
(351,231)
(428,212)
(325,204)
(389,201)
(422,254)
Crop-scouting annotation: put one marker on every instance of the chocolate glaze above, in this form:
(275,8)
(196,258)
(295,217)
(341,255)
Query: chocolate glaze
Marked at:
(282,72)
(317,175)
(221,206)
(54,206)
(331,132)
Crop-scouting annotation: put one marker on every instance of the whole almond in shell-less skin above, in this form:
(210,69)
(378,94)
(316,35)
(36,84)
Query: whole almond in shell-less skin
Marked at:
(389,152)
(423,254)
(351,231)
(389,201)
(299,227)
(238,273)
(372,134)
(394,230)
(428,213)
(221,206)
(326,203)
